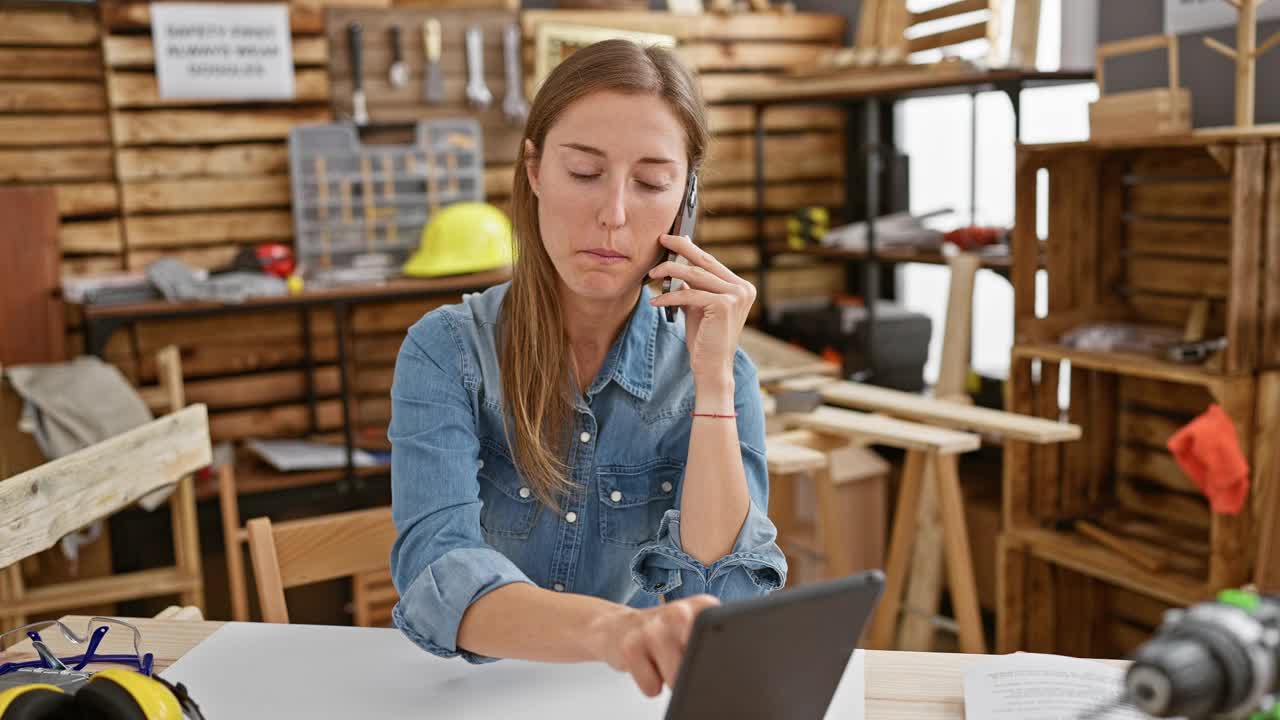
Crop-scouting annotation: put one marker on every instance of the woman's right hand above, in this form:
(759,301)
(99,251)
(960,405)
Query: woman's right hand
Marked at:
(649,644)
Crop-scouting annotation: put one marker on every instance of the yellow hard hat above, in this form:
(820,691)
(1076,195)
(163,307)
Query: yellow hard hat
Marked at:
(464,237)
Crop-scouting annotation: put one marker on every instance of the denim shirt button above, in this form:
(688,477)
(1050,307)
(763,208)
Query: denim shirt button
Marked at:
(525,493)
(616,496)
(479,464)
(585,437)
(558,587)
(571,517)
(666,487)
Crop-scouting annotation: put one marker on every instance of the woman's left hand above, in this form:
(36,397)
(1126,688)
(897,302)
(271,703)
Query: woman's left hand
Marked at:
(716,303)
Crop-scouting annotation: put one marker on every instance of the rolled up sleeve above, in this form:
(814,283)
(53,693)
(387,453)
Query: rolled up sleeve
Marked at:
(755,565)
(440,562)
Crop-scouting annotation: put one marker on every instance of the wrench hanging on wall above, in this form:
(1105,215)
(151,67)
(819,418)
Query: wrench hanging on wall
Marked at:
(478,95)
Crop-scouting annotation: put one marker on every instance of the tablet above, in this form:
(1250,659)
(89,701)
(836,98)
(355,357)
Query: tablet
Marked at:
(777,656)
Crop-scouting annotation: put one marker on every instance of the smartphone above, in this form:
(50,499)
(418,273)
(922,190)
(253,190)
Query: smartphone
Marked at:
(686,216)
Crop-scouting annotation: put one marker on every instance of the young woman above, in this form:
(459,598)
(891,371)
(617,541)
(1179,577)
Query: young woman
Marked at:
(564,456)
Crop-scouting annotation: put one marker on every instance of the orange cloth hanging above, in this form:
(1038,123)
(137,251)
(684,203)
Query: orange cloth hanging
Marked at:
(1207,450)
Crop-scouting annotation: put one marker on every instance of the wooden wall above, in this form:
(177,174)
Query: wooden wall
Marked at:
(139,177)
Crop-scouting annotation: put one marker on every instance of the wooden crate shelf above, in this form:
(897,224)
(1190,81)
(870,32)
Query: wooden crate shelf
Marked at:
(1145,235)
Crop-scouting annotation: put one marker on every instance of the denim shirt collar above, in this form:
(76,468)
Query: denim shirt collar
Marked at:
(631,359)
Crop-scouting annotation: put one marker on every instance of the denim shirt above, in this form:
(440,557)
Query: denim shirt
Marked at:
(469,524)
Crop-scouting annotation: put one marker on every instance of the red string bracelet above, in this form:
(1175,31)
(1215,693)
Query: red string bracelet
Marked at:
(712,415)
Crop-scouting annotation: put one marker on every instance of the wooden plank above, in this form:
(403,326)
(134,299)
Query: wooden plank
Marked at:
(55,164)
(39,130)
(742,26)
(193,334)
(967,33)
(884,431)
(785,458)
(1047,492)
(1093,561)
(135,127)
(141,90)
(231,354)
(1065,182)
(1183,238)
(206,194)
(102,236)
(1042,613)
(1176,163)
(87,199)
(776,197)
(1186,510)
(1154,465)
(71,491)
(89,265)
(253,159)
(1266,483)
(50,96)
(1269,355)
(742,228)
(1147,428)
(946,10)
(735,118)
(1173,312)
(1195,278)
(779,147)
(63,26)
(264,388)
(50,64)
(1244,302)
(1178,398)
(1134,364)
(213,257)
(138,51)
(1198,199)
(1112,230)
(933,411)
(1077,469)
(738,56)
(279,421)
(304,17)
(395,317)
(1025,242)
(195,228)
(1101,435)
(107,589)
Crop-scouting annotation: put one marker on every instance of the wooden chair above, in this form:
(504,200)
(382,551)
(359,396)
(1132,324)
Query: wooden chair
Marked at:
(311,550)
(41,505)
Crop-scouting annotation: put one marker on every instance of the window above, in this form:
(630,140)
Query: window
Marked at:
(935,133)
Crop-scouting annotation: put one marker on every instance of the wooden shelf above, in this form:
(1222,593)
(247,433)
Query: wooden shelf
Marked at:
(1088,558)
(1126,363)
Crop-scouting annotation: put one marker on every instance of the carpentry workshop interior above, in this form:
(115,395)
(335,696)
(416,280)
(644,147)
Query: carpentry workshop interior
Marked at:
(699,358)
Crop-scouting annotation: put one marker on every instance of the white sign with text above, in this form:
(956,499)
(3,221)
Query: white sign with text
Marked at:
(1184,16)
(230,52)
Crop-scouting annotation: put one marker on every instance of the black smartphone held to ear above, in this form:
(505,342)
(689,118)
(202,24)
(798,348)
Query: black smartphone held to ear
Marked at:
(686,216)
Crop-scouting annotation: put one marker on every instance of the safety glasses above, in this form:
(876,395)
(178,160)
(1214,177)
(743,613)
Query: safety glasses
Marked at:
(95,629)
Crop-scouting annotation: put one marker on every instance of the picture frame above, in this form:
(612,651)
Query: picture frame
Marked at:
(553,42)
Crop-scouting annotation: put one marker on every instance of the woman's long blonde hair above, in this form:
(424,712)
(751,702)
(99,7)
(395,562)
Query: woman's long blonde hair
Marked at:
(533,349)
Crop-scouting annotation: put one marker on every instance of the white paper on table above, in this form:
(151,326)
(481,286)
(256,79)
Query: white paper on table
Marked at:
(1031,686)
(254,670)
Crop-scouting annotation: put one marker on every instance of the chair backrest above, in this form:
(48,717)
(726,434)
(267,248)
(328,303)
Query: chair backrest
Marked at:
(301,552)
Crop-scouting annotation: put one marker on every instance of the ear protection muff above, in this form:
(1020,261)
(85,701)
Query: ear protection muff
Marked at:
(115,694)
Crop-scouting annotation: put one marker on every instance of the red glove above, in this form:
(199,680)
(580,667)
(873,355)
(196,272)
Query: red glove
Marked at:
(1207,450)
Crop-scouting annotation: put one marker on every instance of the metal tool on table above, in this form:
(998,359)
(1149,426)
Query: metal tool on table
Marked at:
(514,106)
(359,106)
(433,80)
(478,95)
(1212,660)
(1194,352)
(398,73)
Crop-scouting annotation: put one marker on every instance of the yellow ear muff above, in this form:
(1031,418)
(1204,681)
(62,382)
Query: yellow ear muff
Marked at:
(129,695)
(37,701)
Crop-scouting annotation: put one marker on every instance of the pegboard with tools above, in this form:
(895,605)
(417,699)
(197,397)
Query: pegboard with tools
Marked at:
(410,64)
(359,209)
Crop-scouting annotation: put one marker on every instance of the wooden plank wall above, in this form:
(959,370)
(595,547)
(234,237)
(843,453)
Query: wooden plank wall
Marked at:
(804,147)
(201,179)
(54,126)
(141,177)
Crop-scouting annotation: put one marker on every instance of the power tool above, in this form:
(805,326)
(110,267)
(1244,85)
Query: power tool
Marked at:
(1212,661)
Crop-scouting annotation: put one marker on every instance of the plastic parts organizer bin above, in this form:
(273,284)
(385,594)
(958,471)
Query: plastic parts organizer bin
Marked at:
(359,209)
